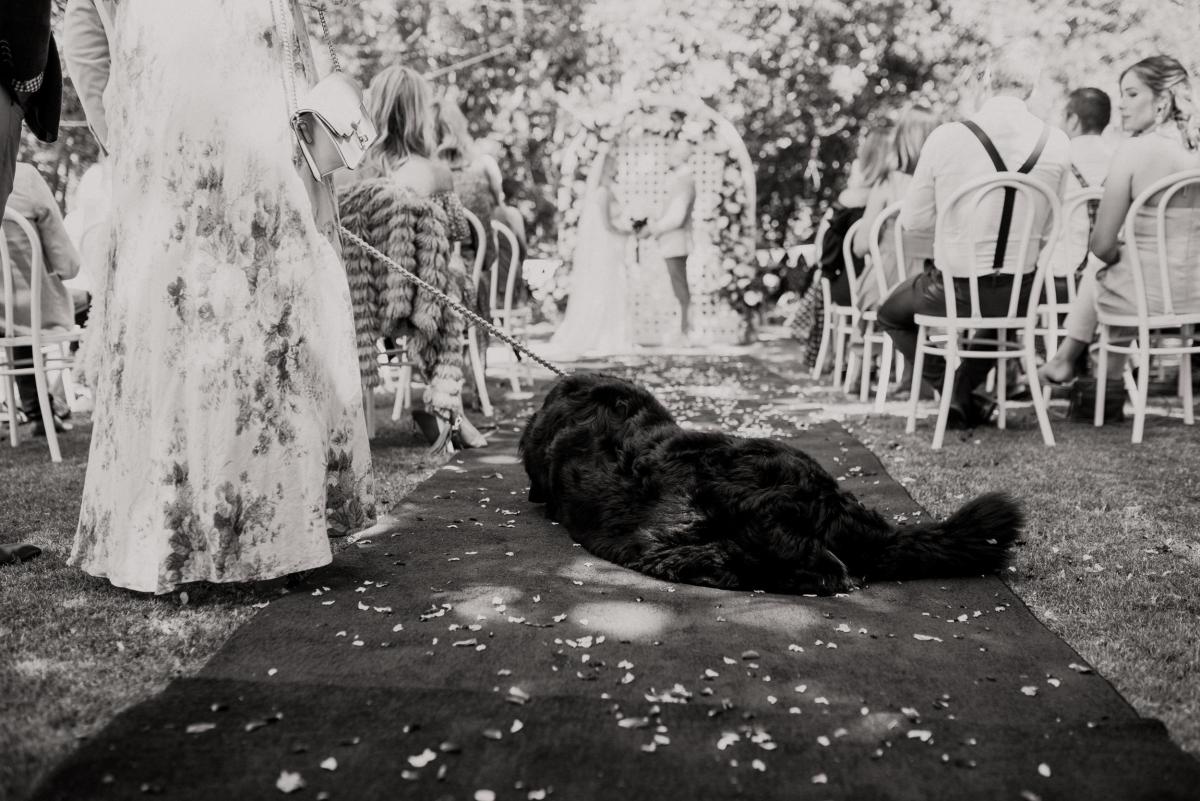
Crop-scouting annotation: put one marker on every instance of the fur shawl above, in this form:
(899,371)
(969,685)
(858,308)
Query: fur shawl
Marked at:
(412,231)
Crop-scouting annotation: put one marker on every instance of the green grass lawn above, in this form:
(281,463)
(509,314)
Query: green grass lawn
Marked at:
(1110,560)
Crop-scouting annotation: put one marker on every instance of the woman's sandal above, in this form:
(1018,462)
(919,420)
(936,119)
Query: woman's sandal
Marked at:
(436,430)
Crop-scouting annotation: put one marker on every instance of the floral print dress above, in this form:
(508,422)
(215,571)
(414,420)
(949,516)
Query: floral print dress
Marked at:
(228,439)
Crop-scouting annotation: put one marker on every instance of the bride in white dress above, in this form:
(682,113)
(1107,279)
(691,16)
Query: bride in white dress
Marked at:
(599,320)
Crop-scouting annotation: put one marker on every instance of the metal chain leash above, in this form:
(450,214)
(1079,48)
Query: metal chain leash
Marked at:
(517,346)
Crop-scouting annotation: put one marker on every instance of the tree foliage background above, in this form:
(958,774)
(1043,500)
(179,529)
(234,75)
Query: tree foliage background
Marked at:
(798,78)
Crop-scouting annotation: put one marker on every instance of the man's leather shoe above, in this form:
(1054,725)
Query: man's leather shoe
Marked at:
(60,425)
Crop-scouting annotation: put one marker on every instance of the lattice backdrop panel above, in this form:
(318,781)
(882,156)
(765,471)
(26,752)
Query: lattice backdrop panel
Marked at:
(642,168)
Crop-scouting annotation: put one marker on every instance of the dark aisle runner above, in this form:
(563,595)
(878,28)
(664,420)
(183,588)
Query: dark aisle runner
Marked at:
(474,652)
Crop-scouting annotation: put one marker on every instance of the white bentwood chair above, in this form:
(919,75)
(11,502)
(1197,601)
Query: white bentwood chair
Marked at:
(1053,308)
(57,341)
(512,320)
(404,381)
(1175,314)
(950,330)
(871,336)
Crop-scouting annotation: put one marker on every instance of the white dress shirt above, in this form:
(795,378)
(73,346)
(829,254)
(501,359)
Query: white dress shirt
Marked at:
(1091,155)
(952,156)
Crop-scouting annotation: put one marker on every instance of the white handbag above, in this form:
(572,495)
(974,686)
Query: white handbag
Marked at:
(331,122)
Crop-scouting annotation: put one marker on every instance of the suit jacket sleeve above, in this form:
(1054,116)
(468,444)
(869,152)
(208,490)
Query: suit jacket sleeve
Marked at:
(28,50)
(86,48)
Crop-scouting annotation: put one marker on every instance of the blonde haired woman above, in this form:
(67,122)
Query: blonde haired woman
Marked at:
(913,127)
(1157,108)
(401,104)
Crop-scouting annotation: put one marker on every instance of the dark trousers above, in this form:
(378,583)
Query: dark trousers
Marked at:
(10,142)
(27,384)
(924,294)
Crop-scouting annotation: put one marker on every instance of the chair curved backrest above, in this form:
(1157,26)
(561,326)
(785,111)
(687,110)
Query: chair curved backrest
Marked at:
(37,271)
(1160,194)
(874,244)
(1026,232)
(848,263)
(822,228)
(514,267)
(480,248)
(1073,205)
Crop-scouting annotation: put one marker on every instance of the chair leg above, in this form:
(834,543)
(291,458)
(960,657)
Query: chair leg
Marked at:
(1142,399)
(10,398)
(1185,377)
(1101,377)
(403,392)
(839,351)
(485,402)
(823,349)
(43,391)
(1002,393)
(1040,399)
(864,381)
(939,430)
(915,392)
(885,374)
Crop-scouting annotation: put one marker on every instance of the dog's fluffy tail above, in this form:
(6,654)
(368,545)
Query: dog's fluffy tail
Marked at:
(974,540)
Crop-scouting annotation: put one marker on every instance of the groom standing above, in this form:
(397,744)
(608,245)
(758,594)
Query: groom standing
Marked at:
(673,228)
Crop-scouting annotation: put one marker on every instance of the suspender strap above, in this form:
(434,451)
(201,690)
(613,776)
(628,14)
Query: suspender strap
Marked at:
(1079,177)
(1010,194)
(1092,206)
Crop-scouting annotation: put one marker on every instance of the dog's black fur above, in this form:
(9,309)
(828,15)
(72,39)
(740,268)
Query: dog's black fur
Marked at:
(632,487)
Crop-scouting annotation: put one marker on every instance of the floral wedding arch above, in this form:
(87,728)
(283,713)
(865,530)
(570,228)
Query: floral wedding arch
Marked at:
(722,265)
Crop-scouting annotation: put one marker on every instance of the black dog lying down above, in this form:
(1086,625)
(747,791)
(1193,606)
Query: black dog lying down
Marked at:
(632,487)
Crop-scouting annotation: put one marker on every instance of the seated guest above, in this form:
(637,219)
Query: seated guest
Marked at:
(913,127)
(32,199)
(869,169)
(1087,114)
(1156,107)
(401,104)
(477,183)
(1002,135)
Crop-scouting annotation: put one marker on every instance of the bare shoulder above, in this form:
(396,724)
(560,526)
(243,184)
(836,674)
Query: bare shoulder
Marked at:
(441,176)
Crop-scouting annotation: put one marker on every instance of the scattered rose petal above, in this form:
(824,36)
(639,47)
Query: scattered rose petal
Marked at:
(289,782)
(1044,770)
(485,795)
(820,778)
(200,728)
(1029,690)
(926,638)
(919,734)
(422,759)
(329,764)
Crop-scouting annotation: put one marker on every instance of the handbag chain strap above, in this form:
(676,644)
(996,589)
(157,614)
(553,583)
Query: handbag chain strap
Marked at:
(284,30)
(337,65)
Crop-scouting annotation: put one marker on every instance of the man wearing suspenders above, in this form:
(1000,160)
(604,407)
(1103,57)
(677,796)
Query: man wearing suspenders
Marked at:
(1003,135)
